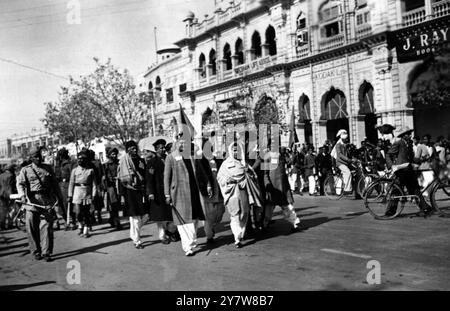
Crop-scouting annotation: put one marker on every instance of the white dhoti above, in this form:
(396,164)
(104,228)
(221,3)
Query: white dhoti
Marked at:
(163,226)
(213,214)
(135,229)
(188,234)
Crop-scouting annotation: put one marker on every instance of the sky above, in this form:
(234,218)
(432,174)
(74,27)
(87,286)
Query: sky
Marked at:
(37,34)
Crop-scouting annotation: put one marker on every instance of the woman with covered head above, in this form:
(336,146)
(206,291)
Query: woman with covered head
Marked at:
(239,190)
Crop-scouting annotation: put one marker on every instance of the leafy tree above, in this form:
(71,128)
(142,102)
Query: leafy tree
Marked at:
(102,103)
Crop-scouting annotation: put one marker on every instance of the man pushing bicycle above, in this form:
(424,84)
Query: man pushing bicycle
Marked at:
(399,158)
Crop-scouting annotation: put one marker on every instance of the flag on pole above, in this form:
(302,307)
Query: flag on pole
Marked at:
(185,122)
(293,138)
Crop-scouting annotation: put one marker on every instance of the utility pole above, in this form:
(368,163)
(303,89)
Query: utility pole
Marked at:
(156,43)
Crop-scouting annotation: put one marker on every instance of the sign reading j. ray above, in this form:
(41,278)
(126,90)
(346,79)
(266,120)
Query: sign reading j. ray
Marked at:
(421,43)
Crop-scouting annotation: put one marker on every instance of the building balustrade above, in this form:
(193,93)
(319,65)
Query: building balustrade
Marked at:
(441,8)
(414,17)
(331,43)
(363,31)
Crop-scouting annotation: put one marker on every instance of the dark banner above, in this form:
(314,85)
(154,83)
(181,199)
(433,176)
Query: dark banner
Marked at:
(416,44)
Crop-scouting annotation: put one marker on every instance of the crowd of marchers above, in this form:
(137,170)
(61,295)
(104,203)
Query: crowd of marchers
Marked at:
(178,187)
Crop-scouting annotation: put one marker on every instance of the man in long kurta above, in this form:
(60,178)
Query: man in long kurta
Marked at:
(160,211)
(82,190)
(110,186)
(278,190)
(239,189)
(214,207)
(132,188)
(183,192)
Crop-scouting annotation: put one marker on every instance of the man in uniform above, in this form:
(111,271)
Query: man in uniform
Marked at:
(37,184)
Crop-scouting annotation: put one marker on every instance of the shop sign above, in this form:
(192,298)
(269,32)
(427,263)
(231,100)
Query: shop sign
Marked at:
(420,44)
(254,66)
(332,73)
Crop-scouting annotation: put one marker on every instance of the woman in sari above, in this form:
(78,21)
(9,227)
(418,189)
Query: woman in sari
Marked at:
(239,190)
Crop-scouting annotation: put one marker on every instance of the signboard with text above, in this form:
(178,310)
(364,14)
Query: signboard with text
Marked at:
(420,43)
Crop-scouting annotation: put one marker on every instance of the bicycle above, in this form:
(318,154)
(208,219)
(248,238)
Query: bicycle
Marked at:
(334,184)
(386,192)
(18,216)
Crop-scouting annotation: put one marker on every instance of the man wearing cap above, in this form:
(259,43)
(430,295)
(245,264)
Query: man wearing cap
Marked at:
(37,184)
(343,160)
(7,187)
(132,177)
(160,211)
(110,185)
(183,191)
(400,156)
(82,190)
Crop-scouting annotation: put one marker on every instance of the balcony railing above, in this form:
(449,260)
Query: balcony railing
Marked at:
(302,51)
(228,74)
(414,17)
(441,8)
(363,31)
(331,43)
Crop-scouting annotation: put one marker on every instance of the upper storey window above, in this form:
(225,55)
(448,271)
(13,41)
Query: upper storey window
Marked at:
(212,62)
(239,51)
(202,65)
(256,45)
(330,16)
(271,41)
(302,31)
(227,57)
(409,5)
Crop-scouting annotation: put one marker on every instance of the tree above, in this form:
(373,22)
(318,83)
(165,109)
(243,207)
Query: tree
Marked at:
(103,103)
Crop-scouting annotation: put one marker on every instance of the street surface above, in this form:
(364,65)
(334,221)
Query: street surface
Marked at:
(331,253)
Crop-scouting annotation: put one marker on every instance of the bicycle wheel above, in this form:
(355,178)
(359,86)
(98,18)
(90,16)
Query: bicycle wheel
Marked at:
(384,200)
(440,198)
(334,187)
(364,182)
(19,221)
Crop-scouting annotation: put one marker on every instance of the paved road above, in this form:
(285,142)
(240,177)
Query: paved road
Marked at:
(332,253)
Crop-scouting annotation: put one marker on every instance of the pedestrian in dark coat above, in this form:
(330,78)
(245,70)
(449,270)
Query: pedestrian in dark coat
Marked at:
(132,177)
(324,165)
(183,191)
(98,199)
(160,211)
(7,187)
(310,170)
(278,191)
(111,188)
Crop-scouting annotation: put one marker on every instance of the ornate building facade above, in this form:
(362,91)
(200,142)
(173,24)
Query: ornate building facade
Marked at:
(338,63)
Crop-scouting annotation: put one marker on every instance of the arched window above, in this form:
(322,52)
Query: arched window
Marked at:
(271,41)
(212,61)
(202,65)
(330,16)
(227,56)
(239,51)
(301,21)
(256,44)
(150,85)
(158,83)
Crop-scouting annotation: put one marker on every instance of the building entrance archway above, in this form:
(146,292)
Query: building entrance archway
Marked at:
(428,90)
(334,112)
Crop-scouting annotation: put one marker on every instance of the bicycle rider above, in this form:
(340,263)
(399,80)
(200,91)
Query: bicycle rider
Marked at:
(343,159)
(400,155)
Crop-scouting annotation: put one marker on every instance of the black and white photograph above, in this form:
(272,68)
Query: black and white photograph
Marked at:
(220,152)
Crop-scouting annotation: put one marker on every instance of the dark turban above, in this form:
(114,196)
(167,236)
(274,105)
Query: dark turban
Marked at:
(130,143)
(112,150)
(159,142)
(386,129)
(35,151)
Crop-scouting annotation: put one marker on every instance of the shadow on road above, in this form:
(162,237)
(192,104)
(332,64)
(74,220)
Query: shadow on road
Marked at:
(23,286)
(13,246)
(24,252)
(89,249)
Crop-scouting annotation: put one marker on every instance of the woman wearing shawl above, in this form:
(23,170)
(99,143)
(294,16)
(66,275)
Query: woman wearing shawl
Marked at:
(131,175)
(239,190)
